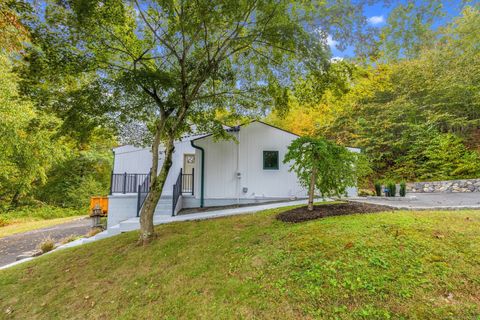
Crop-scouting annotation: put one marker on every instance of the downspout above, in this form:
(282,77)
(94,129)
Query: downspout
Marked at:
(202,173)
(113,171)
(238,169)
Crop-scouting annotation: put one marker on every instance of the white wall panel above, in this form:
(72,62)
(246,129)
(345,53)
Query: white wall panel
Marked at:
(221,165)
(131,159)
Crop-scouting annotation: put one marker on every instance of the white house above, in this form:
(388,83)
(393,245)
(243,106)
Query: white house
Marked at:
(208,172)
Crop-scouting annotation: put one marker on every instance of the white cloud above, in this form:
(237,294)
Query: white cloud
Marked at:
(376,20)
(326,38)
(336,59)
(331,42)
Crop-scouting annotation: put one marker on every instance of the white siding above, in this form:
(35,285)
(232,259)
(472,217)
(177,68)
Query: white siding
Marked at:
(132,159)
(181,148)
(222,165)
(223,160)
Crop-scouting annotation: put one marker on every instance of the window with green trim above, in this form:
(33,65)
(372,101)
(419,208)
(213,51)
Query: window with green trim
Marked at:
(270,160)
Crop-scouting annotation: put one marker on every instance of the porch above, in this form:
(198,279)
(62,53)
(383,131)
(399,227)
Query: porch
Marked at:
(127,185)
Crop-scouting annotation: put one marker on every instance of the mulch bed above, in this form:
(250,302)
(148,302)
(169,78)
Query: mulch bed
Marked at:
(327,210)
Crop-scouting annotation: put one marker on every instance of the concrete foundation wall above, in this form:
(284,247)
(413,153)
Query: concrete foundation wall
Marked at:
(124,206)
(121,207)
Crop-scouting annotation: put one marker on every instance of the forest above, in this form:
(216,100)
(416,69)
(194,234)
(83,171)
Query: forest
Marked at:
(415,115)
(409,98)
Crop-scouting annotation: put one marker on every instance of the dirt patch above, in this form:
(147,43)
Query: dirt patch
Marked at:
(327,210)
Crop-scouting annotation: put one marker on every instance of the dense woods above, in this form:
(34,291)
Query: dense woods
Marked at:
(416,117)
(50,152)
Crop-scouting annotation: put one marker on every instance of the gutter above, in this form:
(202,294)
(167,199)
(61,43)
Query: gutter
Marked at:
(202,173)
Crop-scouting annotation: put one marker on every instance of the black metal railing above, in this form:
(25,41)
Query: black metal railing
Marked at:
(127,182)
(142,192)
(187,182)
(177,192)
(139,183)
(183,184)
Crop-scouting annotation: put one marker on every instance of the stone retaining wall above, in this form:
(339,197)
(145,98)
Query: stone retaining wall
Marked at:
(467,185)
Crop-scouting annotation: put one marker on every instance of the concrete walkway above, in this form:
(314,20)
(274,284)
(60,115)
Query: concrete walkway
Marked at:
(133,223)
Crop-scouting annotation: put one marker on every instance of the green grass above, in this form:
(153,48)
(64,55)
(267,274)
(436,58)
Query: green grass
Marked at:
(421,265)
(29,218)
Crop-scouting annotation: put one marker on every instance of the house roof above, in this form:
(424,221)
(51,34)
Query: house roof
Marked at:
(184,138)
(237,128)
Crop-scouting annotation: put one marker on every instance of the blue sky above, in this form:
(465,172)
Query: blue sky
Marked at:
(377,17)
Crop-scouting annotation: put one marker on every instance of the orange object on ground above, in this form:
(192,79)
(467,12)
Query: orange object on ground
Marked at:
(101,201)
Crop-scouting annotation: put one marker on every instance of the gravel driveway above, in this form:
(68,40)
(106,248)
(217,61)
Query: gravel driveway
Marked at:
(429,201)
(14,245)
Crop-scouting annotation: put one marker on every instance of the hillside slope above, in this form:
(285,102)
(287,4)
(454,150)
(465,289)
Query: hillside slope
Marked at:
(402,264)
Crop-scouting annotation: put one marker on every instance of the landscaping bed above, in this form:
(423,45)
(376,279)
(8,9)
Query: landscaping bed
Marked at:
(301,214)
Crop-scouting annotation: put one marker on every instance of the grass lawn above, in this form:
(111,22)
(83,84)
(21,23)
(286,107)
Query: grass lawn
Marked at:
(423,265)
(30,218)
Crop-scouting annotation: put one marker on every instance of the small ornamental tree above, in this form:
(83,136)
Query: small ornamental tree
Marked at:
(324,166)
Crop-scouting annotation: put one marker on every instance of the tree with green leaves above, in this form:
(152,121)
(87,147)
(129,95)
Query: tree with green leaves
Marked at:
(416,118)
(13,32)
(27,146)
(171,64)
(322,165)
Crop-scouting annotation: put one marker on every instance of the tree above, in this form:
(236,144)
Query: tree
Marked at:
(27,145)
(13,32)
(53,148)
(172,63)
(309,104)
(404,114)
(324,166)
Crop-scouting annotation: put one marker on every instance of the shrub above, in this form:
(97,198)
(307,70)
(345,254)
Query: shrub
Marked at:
(3,222)
(365,192)
(378,188)
(392,188)
(47,245)
(403,189)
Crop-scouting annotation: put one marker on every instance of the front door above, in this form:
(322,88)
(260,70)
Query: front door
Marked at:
(188,163)
(187,177)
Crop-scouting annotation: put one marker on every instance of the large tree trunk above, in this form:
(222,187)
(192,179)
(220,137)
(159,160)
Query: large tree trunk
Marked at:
(157,183)
(311,189)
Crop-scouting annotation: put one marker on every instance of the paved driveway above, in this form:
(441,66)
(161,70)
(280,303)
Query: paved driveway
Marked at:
(430,201)
(14,245)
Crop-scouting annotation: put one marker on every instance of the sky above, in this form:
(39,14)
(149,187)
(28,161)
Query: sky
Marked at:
(377,17)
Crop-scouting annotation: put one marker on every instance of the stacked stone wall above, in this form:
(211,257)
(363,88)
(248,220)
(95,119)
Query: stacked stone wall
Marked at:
(467,185)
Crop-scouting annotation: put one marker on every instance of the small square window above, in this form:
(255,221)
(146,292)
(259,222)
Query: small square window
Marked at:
(270,160)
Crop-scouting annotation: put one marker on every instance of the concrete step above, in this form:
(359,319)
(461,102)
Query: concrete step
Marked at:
(164,206)
(163,212)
